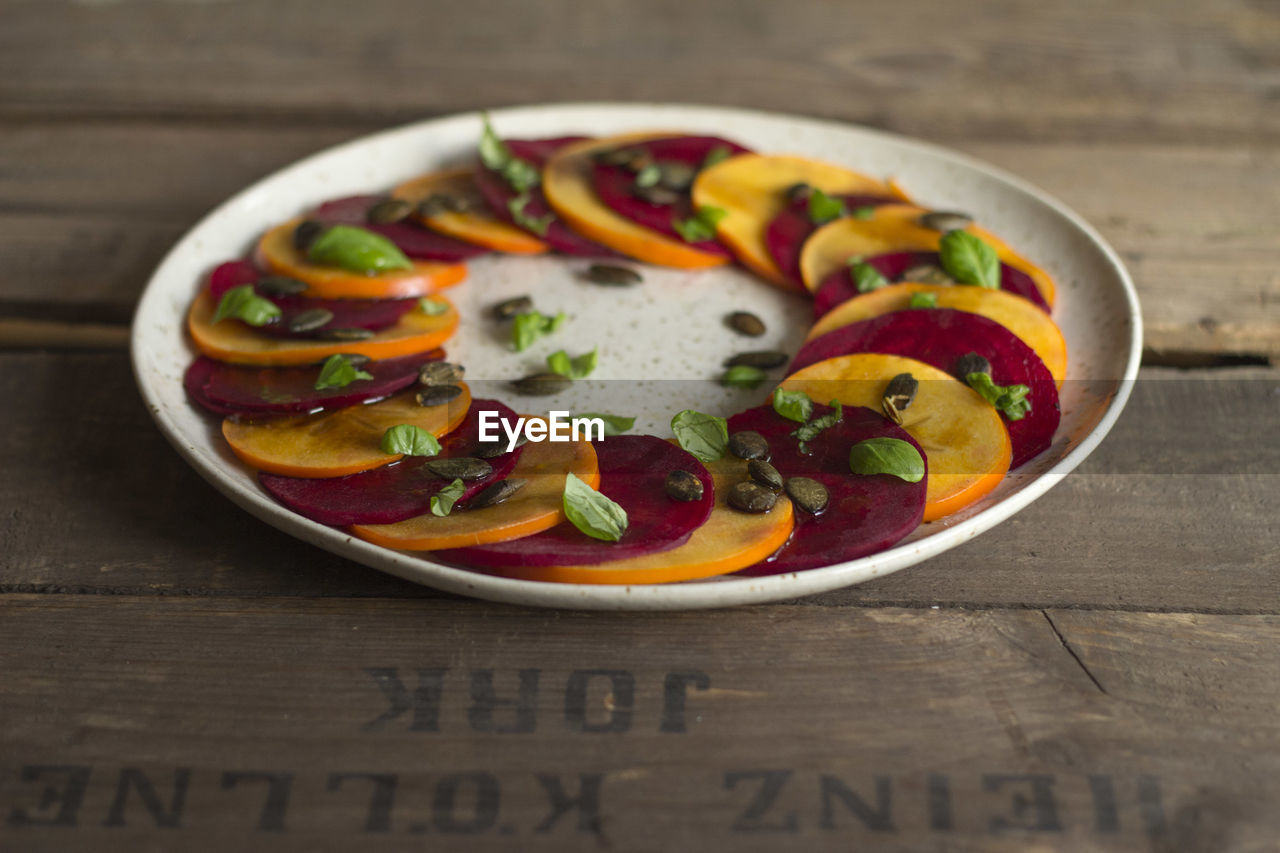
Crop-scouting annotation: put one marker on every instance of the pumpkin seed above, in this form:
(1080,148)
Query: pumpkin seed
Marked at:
(463,203)
(766,359)
(280,285)
(509,308)
(389,210)
(541,384)
(945,220)
(681,485)
(497,447)
(466,468)
(344,334)
(306,233)
(749,444)
(809,495)
(927,274)
(898,395)
(355,359)
(656,194)
(618,156)
(798,192)
(971,363)
(752,497)
(440,373)
(613,276)
(764,474)
(310,320)
(746,323)
(495,493)
(435,204)
(437,395)
(676,176)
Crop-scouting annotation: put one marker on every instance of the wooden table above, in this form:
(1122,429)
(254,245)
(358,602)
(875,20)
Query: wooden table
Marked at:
(1099,673)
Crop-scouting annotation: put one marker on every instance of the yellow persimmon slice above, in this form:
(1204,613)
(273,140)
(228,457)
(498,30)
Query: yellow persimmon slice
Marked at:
(475,225)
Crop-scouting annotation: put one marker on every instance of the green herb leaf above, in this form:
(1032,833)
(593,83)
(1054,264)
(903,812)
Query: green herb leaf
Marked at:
(823,208)
(242,303)
(701,226)
(1010,400)
(705,436)
(743,376)
(410,440)
(969,259)
(716,155)
(527,328)
(338,372)
(537,224)
(809,431)
(864,212)
(887,456)
(792,405)
(591,512)
(358,250)
(519,174)
(578,367)
(923,299)
(432,307)
(649,175)
(613,424)
(442,501)
(866,277)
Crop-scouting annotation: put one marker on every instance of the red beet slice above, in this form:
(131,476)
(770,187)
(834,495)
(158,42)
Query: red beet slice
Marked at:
(839,286)
(415,240)
(393,492)
(865,514)
(226,388)
(633,469)
(497,192)
(940,336)
(613,184)
(785,235)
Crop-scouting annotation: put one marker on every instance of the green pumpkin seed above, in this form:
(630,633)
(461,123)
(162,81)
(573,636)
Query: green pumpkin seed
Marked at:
(310,320)
(945,220)
(798,192)
(435,204)
(898,395)
(656,194)
(355,359)
(541,384)
(681,485)
(752,497)
(465,468)
(495,493)
(305,234)
(810,495)
(388,211)
(280,285)
(676,176)
(746,323)
(927,274)
(749,444)
(440,373)
(618,156)
(612,276)
(497,447)
(765,474)
(344,334)
(762,359)
(437,395)
(509,308)
(971,363)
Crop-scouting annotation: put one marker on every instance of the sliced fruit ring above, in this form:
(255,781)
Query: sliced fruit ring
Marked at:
(892,229)
(277,253)
(232,341)
(569,186)
(334,444)
(751,188)
(538,506)
(786,235)
(729,540)
(411,237)
(964,440)
(1016,314)
(475,224)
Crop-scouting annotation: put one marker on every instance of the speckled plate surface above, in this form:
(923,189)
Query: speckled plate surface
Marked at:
(660,343)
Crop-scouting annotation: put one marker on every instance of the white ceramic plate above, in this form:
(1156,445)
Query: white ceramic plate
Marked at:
(665,337)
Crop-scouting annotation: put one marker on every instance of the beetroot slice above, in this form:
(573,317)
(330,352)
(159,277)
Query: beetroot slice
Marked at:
(865,514)
(415,240)
(632,471)
(497,192)
(784,237)
(613,184)
(940,336)
(194,380)
(839,285)
(393,492)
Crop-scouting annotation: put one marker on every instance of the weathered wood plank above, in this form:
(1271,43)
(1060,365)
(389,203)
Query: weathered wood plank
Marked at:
(899,729)
(1086,70)
(1174,511)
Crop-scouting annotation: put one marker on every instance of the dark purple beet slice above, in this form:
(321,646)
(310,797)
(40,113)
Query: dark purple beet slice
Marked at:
(194,380)
(415,240)
(866,514)
(940,336)
(785,235)
(393,492)
(232,274)
(613,184)
(497,193)
(632,471)
(839,286)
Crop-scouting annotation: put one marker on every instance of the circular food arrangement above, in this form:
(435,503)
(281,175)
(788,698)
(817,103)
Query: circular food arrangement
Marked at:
(887,368)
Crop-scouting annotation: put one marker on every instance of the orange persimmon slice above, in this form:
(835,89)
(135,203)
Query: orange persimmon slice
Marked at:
(1016,314)
(234,342)
(276,253)
(538,506)
(895,228)
(568,186)
(476,224)
(337,443)
(751,189)
(962,435)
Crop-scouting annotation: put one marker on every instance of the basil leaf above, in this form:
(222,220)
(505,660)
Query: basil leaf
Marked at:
(537,224)
(1009,400)
(891,456)
(649,175)
(792,405)
(613,424)
(338,372)
(864,212)
(409,440)
(743,376)
(242,303)
(866,278)
(519,174)
(591,512)
(969,259)
(578,367)
(527,328)
(442,501)
(701,226)
(823,208)
(923,299)
(705,436)
(716,155)
(809,431)
(432,308)
(357,250)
